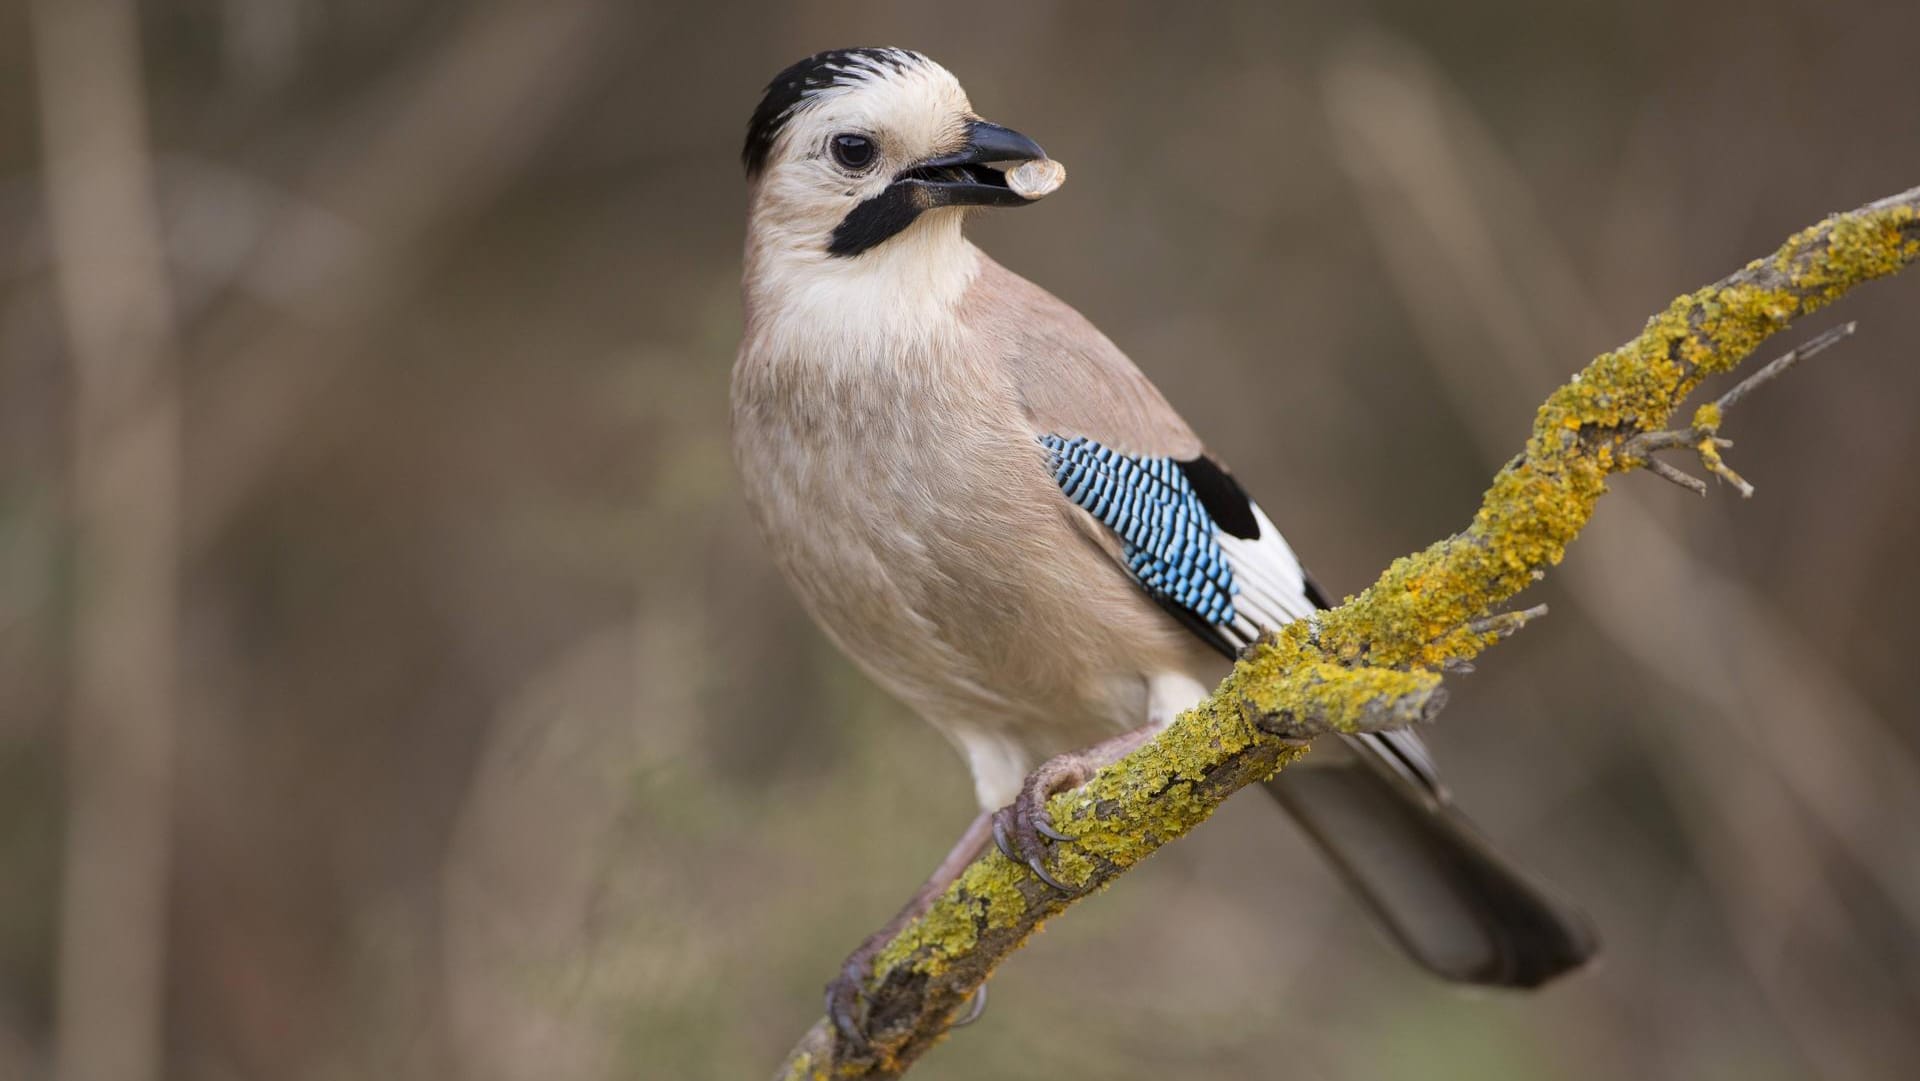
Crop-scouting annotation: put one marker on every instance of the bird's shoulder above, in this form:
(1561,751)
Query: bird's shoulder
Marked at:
(1071,378)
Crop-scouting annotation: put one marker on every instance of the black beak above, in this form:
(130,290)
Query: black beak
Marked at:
(961,178)
(989,142)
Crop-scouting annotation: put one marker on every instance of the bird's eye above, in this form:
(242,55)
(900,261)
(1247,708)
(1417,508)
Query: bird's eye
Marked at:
(853,151)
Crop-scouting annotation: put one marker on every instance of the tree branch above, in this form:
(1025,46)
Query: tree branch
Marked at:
(1375,661)
(1704,434)
(110,272)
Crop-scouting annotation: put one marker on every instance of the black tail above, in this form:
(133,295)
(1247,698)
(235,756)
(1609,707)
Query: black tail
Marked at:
(1435,883)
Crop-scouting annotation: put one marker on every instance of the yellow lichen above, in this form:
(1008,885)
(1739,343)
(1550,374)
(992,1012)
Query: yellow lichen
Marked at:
(986,897)
(1706,419)
(1540,502)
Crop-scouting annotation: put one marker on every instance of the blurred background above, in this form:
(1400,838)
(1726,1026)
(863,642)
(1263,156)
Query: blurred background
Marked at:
(391,684)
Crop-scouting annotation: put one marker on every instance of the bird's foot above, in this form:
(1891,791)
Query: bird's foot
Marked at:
(1022,830)
(847,994)
(847,1001)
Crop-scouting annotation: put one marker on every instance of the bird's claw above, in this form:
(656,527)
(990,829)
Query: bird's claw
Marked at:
(1000,838)
(976,1005)
(847,997)
(1040,872)
(1022,830)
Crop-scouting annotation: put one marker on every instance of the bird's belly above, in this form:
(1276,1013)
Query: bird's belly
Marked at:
(943,562)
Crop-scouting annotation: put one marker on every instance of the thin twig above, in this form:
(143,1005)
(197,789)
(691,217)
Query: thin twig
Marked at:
(1778,366)
(1506,624)
(1703,437)
(112,282)
(1678,476)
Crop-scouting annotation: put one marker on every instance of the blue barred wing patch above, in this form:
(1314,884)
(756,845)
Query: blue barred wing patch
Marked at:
(1169,539)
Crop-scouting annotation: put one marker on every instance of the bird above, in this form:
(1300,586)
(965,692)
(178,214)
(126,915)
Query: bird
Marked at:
(988,507)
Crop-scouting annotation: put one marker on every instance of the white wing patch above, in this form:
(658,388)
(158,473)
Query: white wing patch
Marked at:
(1273,588)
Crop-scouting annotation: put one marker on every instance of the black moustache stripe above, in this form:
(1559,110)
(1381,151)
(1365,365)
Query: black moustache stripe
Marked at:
(879,218)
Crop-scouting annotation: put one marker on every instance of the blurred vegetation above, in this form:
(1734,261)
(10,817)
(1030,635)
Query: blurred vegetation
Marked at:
(503,752)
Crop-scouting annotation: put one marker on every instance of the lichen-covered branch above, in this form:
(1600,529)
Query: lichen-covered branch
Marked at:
(1375,661)
(1703,435)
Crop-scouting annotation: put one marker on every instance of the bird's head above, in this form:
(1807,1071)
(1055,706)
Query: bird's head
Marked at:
(852,148)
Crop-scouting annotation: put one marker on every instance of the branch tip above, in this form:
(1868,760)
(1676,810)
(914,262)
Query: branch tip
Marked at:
(1778,366)
(1506,624)
(1703,436)
(1677,476)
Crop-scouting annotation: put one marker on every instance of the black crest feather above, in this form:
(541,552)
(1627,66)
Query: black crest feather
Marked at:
(791,89)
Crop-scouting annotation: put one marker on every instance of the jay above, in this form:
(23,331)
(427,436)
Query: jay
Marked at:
(988,507)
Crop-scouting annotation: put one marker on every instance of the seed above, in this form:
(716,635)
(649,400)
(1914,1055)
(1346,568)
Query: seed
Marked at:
(1037,178)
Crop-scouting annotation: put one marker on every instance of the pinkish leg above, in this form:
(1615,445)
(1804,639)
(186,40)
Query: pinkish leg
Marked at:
(846,993)
(1024,824)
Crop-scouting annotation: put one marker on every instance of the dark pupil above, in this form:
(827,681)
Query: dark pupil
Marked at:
(852,151)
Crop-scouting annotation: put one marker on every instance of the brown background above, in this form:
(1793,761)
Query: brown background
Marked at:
(504,754)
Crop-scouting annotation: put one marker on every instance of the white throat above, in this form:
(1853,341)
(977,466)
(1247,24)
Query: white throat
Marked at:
(893,299)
